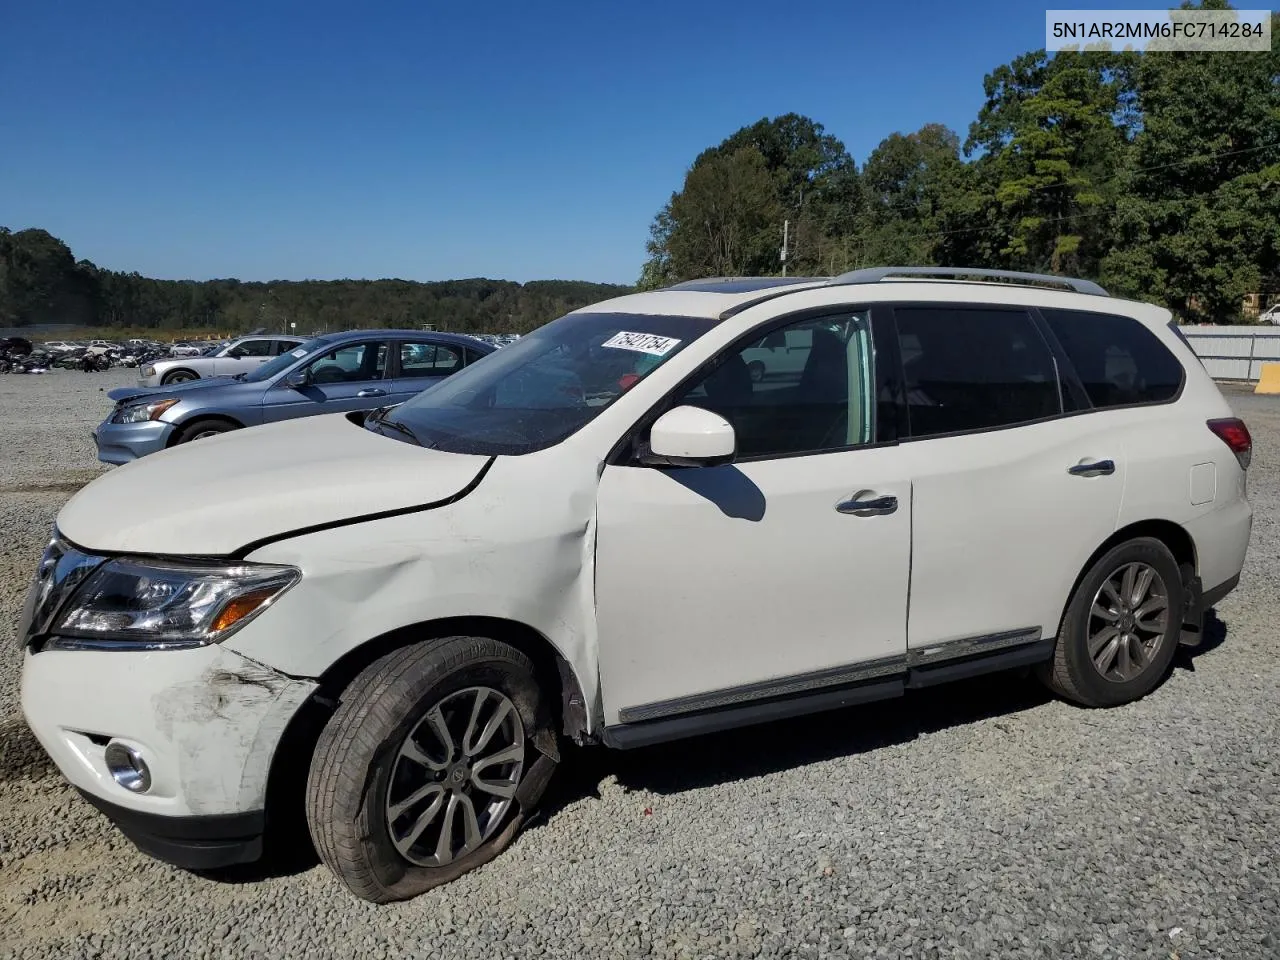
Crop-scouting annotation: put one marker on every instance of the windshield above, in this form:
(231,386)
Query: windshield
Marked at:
(545,386)
(283,362)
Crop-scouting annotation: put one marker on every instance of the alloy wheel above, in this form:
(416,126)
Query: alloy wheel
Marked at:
(1128,621)
(455,776)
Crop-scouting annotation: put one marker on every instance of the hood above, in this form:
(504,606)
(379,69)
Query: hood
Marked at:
(174,390)
(211,497)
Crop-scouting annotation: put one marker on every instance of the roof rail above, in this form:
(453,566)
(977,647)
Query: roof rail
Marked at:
(740,284)
(876,274)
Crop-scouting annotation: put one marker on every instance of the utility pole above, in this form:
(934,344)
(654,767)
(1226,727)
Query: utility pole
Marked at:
(786,234)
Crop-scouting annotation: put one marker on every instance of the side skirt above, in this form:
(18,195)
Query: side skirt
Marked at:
(910,673)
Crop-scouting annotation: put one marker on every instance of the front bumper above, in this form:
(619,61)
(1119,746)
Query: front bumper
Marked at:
(120,443)
(193,843)
(207,722)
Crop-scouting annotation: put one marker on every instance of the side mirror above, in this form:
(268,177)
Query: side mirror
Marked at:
(690,437)
(298,379)
(235,353)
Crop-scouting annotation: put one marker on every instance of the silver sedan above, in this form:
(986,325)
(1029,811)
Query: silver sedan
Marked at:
(238,356)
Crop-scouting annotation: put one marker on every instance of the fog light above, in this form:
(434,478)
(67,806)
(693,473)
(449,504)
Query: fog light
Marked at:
(127,767)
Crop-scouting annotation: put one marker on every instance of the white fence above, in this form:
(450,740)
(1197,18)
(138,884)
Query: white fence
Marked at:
(1234,353)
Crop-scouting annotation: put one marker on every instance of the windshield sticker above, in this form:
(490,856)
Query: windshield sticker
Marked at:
(649,343)
(298,353)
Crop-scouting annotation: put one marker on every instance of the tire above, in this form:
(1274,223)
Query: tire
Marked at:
(1099,679)
(178,376)
(200,429)
(360,764)
(756,369)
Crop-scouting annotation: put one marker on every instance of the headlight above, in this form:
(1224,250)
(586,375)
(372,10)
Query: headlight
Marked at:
(141,412)
(148,371)
(159,605)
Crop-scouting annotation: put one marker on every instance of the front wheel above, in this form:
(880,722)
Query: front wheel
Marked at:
(434,758)
(202,429)
(1121,628)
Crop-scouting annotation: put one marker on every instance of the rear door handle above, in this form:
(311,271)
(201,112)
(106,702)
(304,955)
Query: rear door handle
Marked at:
(1096,469)
(871,507)
(372,392)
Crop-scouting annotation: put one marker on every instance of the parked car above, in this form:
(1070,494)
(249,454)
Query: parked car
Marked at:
(60,346)
(237,356)
(359,370)
(404,617)
(1270,315)
(185,350)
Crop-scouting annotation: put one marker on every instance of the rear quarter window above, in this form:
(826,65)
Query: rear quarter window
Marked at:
(1118,360)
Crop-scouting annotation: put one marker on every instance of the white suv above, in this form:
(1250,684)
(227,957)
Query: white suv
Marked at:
(611,532)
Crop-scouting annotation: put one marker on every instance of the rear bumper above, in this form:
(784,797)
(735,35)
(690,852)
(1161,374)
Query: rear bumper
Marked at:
(193,843)
(119,443)
(1216,594)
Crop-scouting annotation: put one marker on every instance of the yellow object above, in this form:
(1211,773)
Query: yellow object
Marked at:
(1269,381)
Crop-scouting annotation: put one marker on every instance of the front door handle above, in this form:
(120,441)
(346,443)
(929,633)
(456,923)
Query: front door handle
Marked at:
(1096,469)
(871,507)
(372,392)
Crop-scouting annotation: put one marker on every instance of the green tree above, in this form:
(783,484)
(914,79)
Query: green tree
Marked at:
(808,179)
(725,220)
(910,184)
(1054,135)
(1196,222)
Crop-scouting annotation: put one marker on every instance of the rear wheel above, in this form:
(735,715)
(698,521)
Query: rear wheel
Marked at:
(179,376)
(1121,628)
(201,429)
(434,758)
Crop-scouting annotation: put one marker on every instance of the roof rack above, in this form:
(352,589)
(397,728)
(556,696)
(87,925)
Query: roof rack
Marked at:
(740,284)
(876,274)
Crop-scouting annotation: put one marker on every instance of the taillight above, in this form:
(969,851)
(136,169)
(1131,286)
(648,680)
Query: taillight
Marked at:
(1234,434)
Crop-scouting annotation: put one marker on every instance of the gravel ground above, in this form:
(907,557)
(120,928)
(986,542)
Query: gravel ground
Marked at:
(981,820)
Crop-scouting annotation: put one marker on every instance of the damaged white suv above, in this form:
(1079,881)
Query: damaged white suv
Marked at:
(618,530)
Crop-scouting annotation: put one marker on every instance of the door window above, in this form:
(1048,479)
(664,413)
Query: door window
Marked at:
(974,369)
(350,364)
(254,348)
(283,346)
(812,397)
(428,360)
(1118,360)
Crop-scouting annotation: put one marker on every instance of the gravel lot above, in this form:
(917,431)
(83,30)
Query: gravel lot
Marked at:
(982,820)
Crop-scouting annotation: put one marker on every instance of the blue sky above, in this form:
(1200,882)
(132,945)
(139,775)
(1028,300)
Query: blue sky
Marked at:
(431,140)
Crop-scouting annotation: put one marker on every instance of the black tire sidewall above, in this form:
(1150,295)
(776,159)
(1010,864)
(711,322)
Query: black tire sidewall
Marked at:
(189,432)
(1094,688)
(428,685)
(177,376)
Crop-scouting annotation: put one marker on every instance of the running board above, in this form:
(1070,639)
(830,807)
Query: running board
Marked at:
(926,672)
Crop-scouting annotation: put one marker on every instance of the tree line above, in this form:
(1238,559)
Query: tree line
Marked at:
(1156,173)
(41,282)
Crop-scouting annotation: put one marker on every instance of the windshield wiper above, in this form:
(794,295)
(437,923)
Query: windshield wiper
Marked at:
(378,418)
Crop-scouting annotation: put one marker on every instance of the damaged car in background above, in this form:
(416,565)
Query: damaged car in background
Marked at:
(390,625)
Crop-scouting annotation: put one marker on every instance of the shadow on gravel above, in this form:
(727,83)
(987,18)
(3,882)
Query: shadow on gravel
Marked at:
(21,756)
(1214,635)
(786,744)
(734,755)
